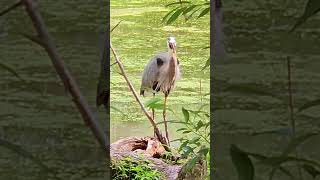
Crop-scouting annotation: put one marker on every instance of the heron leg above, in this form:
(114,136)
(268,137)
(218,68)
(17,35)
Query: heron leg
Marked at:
(164,118)
(154,131)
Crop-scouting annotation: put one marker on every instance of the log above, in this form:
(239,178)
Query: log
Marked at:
(152,150)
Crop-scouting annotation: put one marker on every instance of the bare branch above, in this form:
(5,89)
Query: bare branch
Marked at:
(17,4)
(64,73)
(35,39)
(115,26)
(153,123)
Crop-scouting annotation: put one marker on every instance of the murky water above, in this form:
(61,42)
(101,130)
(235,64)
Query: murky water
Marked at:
(138,38)
(257,44)
(37,114)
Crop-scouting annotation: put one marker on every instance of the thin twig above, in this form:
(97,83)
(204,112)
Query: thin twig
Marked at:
(293,124)
(113,64)
(153,123)
(63,72)
(14,6)
(115,26)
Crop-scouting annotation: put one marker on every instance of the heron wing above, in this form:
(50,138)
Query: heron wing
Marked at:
(155,68)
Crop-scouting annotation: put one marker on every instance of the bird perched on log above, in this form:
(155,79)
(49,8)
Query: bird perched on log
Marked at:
(160,74)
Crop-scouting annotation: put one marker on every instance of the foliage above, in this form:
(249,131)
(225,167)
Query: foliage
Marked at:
(187,9)
(128,168)
(245,166)
(242,163)
(312,8)
(195,125)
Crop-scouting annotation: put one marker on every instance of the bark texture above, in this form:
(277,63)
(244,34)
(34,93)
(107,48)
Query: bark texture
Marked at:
(152,150)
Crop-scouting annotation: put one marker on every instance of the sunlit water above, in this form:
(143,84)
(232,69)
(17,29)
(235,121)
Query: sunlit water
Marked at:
(141,35)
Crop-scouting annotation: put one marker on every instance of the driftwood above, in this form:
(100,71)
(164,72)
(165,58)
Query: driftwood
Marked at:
(150,149)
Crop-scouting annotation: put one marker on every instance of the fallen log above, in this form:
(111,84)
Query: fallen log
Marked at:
(150,150)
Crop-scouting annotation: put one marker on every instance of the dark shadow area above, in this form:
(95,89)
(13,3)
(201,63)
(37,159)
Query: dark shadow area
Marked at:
(265,91)
(42,134)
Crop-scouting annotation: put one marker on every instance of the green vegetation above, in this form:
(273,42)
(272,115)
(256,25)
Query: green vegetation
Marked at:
(268,102)
(129,169)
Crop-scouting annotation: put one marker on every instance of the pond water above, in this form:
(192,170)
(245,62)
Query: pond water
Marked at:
(257,44)
(141,35)
(37,114)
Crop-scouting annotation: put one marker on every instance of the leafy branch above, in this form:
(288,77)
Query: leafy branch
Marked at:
(187,9)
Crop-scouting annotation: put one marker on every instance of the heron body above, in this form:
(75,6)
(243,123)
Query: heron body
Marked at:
(160,74)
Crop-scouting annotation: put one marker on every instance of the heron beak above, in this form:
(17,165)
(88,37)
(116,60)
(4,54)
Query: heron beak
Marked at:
(172,46)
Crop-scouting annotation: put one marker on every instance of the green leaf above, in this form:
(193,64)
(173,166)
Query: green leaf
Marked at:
(263,158)
(186,115)
(175,15)
(183,145)
(10,69)
(189,9)
(152,102)
(186,151)
(312,7)
(191,163)
(186,132)
(180,2)
(199,125)
(194,140)
(181,129)
(242,163)
(168,14)
(204,151)
(309,105)
(206,65)
(194,11)
(311,170)
(204,12)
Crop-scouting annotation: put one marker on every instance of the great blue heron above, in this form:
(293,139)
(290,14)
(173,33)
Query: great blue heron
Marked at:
(160,74)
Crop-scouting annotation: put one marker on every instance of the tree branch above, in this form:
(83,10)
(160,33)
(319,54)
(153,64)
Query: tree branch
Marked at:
(61,69)
(157,130)
(14,6)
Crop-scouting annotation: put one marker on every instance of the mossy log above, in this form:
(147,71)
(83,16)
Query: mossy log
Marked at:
(150,149)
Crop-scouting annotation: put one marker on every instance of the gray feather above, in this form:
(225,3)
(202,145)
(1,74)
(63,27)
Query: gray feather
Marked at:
(157,70)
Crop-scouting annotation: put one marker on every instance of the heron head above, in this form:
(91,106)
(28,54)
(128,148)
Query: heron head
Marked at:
(172,43)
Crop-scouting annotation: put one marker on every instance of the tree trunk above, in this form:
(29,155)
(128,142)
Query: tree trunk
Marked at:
(153,151)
